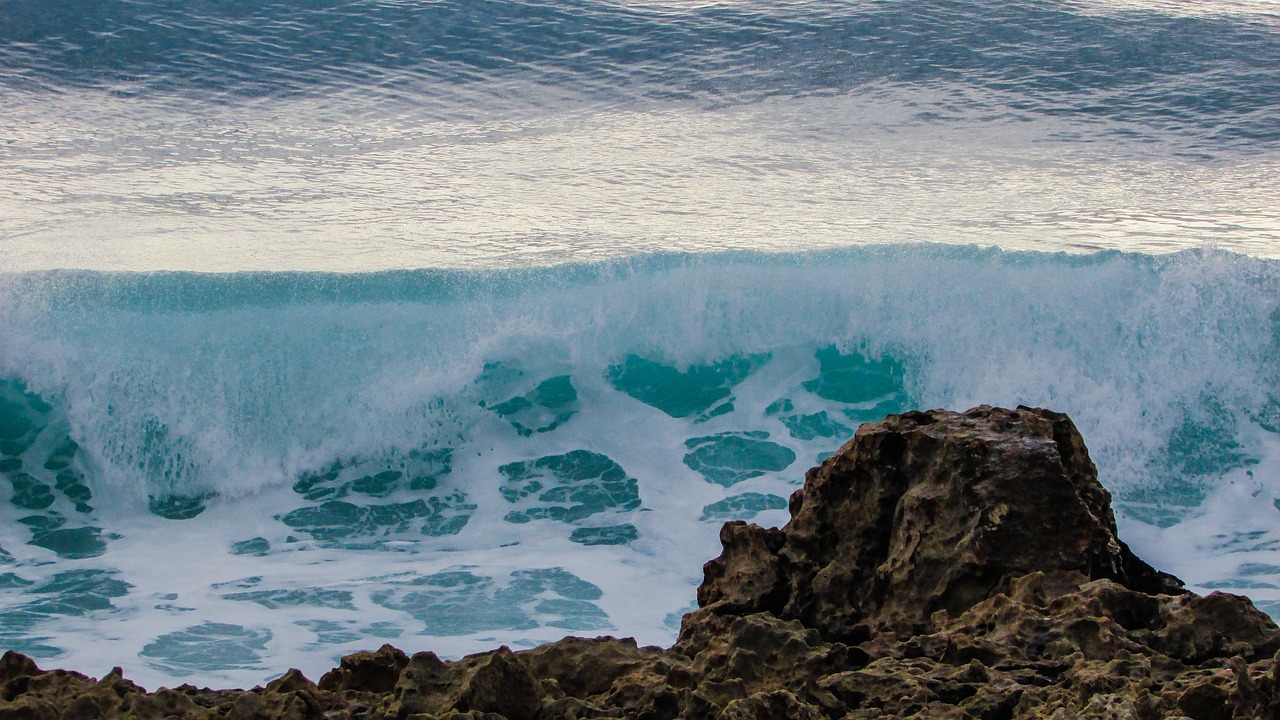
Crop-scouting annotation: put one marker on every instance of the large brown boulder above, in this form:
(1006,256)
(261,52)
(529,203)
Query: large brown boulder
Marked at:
(928,511)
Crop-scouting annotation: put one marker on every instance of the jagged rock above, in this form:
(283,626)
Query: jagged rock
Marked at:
(941,565)
(766,706)
(923,512)
(102,699)
(375,672)
(289,697)
(496,682)
(1195,629)
(15,666)
(161,705)
(580,668)
(29,707)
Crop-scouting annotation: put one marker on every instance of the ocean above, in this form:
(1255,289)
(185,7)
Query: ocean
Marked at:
(459,323)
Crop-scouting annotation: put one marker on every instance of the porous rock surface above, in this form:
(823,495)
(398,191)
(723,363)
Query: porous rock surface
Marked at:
(940,565)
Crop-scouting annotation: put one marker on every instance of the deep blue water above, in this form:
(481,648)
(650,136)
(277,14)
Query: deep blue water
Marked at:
(1212,76)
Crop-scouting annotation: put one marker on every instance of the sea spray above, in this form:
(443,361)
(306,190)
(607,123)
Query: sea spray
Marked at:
(454,459)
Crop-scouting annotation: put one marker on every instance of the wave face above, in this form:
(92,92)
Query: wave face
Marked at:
(453,459)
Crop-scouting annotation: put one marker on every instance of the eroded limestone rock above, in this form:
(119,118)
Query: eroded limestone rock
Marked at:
(924,512)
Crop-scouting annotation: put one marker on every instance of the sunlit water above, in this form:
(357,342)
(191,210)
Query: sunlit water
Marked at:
(477,319)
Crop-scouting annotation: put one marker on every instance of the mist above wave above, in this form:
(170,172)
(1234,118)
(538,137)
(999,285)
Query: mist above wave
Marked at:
(257,377)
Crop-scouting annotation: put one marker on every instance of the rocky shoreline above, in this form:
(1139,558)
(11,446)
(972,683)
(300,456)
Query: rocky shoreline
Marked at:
(940,565)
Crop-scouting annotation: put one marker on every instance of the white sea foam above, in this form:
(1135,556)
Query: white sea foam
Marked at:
(231,389)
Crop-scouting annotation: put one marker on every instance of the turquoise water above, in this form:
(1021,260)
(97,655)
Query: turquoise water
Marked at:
(220,474)
(456,324)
